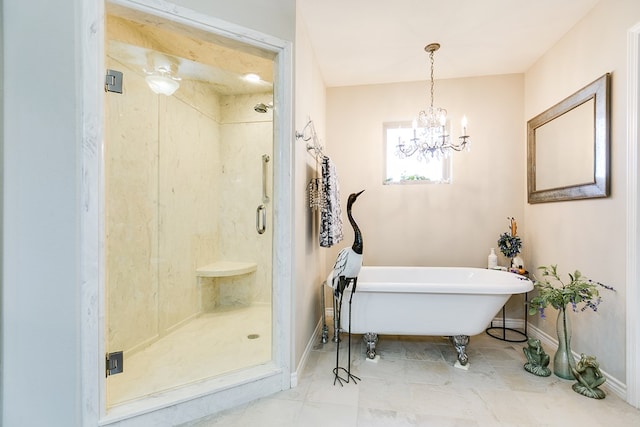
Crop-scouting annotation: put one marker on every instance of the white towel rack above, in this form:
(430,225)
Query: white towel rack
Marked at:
(314,189)
(310,136)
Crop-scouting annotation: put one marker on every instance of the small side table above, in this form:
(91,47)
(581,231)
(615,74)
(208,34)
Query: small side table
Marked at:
(514,335)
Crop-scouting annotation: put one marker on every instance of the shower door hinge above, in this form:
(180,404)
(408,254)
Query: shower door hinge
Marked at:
(113,81)
(114,363)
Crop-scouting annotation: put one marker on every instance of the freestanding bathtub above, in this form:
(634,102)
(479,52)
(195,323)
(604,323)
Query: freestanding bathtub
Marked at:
(455,302)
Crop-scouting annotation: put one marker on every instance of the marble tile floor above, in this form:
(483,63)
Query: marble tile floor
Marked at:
(415,383)
(209,345)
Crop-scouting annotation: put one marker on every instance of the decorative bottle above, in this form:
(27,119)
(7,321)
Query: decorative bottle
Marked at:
(517,262)
(492,259)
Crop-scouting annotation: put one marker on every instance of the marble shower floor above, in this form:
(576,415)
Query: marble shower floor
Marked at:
(415,384)
(209,345)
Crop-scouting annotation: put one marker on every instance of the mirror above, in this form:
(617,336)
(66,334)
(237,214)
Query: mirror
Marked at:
(568,147)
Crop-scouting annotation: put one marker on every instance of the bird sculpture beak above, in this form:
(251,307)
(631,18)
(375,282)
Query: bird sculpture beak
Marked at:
(357,194)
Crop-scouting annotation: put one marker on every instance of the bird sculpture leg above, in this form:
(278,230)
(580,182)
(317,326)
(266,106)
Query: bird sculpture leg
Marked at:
(354,280)
(325,330)
(336,370)
(336,319)
(342,285)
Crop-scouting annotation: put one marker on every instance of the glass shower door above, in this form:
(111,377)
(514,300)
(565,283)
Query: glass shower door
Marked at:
(188,218)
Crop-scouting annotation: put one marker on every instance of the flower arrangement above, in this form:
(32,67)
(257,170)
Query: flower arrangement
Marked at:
(509,243)
(552,290)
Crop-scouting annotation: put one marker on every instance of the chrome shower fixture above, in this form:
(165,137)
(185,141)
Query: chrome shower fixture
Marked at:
(262,107)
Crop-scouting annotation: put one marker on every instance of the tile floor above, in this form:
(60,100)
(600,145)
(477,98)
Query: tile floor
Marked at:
(415,383)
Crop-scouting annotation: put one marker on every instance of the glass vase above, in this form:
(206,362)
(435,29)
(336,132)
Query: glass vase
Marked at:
(563,359)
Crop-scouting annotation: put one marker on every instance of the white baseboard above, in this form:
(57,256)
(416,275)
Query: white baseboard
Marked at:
(315,338)
(612,384)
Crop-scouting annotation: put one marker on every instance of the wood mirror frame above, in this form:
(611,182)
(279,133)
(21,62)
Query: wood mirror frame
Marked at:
(568,136)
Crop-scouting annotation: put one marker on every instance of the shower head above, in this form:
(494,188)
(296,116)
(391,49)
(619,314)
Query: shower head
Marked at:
(262,107)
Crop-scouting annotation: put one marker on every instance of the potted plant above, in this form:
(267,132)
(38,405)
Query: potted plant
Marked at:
(579,292)
(510,244)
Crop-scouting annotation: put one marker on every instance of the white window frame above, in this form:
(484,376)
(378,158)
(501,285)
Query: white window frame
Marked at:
(408,170)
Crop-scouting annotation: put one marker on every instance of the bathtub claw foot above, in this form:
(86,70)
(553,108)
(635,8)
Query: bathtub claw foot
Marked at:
(325,334)
(460,343)
(371,339)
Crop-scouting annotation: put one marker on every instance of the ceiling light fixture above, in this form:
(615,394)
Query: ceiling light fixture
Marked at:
(431,129)
(252,77)
(162,79)
(162,82)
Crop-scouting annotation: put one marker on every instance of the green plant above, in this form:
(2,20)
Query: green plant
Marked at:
(552,290)
(509,243)
(413,178)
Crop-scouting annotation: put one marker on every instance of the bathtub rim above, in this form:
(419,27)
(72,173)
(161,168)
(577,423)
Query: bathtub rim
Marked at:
(488,281)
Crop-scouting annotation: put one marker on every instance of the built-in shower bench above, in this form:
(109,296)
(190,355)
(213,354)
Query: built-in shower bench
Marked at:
(225,283)
(226,269)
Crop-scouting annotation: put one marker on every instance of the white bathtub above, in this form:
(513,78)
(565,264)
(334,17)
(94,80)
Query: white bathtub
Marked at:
(456,302)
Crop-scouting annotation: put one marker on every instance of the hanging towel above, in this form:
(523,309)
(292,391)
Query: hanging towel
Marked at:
(331,214)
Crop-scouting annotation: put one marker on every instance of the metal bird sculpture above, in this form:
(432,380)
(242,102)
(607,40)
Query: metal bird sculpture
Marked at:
(345,271)
(349,260)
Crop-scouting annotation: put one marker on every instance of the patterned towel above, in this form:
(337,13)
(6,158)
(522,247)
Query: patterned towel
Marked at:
(331,214)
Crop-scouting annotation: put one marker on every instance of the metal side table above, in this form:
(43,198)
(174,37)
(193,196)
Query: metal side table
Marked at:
(510,334)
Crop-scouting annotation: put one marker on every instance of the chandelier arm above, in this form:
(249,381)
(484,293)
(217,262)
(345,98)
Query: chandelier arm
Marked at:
(456,147)
(407,152)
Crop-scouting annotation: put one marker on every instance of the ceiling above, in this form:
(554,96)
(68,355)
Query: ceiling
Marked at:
(360,42)
(134,38)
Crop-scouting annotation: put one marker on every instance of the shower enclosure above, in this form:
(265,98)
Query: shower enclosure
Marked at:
(188,181)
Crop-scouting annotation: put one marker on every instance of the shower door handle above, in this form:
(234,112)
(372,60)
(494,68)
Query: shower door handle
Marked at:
(261,219)
(265,160)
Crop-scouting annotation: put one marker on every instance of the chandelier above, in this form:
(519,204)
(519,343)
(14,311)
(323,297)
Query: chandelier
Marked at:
(431,129)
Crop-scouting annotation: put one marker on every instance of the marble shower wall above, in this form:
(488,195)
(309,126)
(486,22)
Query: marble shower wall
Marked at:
(189,164)
(245,137)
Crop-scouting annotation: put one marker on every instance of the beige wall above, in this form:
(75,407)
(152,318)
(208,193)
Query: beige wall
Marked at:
(308,274)
(588,235)
(274,17)
(434,224)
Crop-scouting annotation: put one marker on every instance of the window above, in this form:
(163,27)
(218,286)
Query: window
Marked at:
(410,169)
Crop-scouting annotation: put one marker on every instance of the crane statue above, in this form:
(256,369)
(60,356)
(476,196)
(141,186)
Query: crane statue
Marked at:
(345,272)
(349,260)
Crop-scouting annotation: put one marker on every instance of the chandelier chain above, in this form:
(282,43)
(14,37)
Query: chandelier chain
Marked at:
(432,81)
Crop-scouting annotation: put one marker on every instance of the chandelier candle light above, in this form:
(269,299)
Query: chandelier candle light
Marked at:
(431,134)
